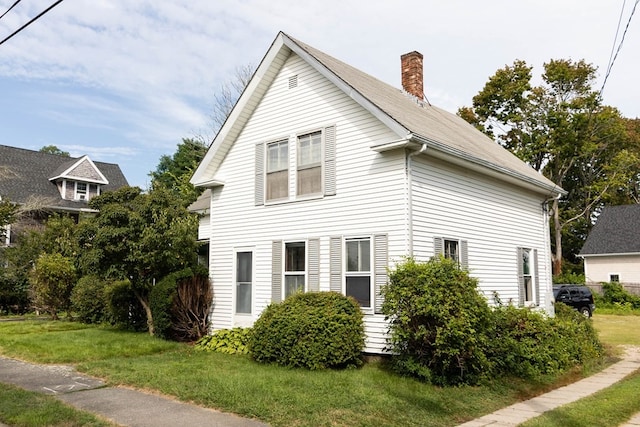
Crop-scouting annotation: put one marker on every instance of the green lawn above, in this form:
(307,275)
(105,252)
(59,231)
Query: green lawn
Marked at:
(280,396)
(21,408)
(617,330)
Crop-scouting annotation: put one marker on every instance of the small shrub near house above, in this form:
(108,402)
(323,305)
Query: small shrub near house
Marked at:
(444,332)
(313,330)
(229,341)
(614,295)
(437,319)
(52,280)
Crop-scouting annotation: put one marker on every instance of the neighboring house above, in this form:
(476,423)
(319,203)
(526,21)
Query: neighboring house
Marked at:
(42,183)
(612,250)
(322,177)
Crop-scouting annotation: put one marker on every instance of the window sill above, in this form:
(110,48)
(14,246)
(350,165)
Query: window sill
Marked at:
(294,200)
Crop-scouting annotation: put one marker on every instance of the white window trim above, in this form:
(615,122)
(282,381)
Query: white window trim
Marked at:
(284,266)
(266,172)
(76,195)
(320,193)
(532,301)
(371,273)
(234,296)
(293,148)
(458,248)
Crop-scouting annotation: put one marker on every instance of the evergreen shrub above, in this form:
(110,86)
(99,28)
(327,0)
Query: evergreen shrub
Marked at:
(314,330)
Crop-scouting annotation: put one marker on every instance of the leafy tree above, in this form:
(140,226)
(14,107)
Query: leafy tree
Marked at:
(52,149)
(140,237)
(174,172)
(562,130)
(7,215)
(52,280)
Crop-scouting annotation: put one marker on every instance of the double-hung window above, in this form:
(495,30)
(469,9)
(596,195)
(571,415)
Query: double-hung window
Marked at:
(451,250)
(309,164)
(294,268)
(358,270)
(528,280)
(81,191)
(244,280)
(277,170)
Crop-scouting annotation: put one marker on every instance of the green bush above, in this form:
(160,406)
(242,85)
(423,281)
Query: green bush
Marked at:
(52,280)
(123,308)
(614,294)
(437,322)
(230,341)
(528,344)
(88,299)
(14,295)
(180,305)
(313,330)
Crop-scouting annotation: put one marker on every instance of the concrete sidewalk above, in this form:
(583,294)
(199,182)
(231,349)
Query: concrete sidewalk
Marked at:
(513,415)
(123,406)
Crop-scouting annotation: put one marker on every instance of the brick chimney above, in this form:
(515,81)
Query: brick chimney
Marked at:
(412,78)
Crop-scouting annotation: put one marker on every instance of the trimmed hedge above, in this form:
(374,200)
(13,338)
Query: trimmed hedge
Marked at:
(315,330)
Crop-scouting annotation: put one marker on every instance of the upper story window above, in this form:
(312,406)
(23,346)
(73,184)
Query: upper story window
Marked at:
(277,170)
(305,163)
(309,166)
(81,191)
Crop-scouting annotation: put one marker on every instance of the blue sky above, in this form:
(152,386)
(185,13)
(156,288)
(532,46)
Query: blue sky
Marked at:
(125,81)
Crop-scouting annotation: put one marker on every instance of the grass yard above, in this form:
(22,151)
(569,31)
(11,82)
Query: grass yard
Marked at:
(21,408)
(618,330)
(610,407)
(280,396)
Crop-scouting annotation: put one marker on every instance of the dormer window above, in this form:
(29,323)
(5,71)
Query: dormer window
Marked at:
(81,191)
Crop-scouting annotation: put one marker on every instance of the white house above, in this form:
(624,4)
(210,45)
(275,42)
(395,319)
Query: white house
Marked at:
(323,176)
(612,250)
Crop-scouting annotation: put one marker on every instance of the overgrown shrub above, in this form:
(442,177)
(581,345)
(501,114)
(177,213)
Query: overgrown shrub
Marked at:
(569,278)
(613,294)
(180,304)
(437,319)
(528,344)
(14,295)
(123,308)
(52,280)
(313,330)
(88,299)
(230,341)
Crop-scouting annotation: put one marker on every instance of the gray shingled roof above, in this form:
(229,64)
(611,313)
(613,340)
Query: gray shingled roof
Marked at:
(25,174)
(443,130)
(617,231)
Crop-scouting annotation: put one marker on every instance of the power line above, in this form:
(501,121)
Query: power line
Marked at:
(615,39)
(619,46)
(12,6)
(32,21)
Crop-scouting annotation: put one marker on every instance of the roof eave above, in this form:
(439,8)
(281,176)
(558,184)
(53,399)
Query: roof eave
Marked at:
(610,254)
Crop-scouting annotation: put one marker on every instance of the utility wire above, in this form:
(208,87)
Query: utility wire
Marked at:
(619,47)
(12,6)
(615,39)
(35,19)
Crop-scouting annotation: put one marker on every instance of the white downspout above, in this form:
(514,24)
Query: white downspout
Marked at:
(408,167)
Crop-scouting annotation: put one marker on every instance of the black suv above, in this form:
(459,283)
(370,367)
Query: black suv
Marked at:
(576,296)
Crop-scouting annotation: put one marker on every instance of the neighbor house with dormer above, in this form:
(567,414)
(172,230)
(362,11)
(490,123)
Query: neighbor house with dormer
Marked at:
(323,177)
(42,183)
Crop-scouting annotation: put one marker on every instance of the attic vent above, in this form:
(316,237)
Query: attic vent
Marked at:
(293,81)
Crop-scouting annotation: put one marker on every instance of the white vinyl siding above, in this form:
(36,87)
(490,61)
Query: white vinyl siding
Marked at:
(494,219)
(369,198)
(600,268)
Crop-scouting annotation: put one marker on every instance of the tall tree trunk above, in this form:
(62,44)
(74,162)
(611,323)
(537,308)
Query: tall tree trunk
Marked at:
(147,310)
(557,235)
